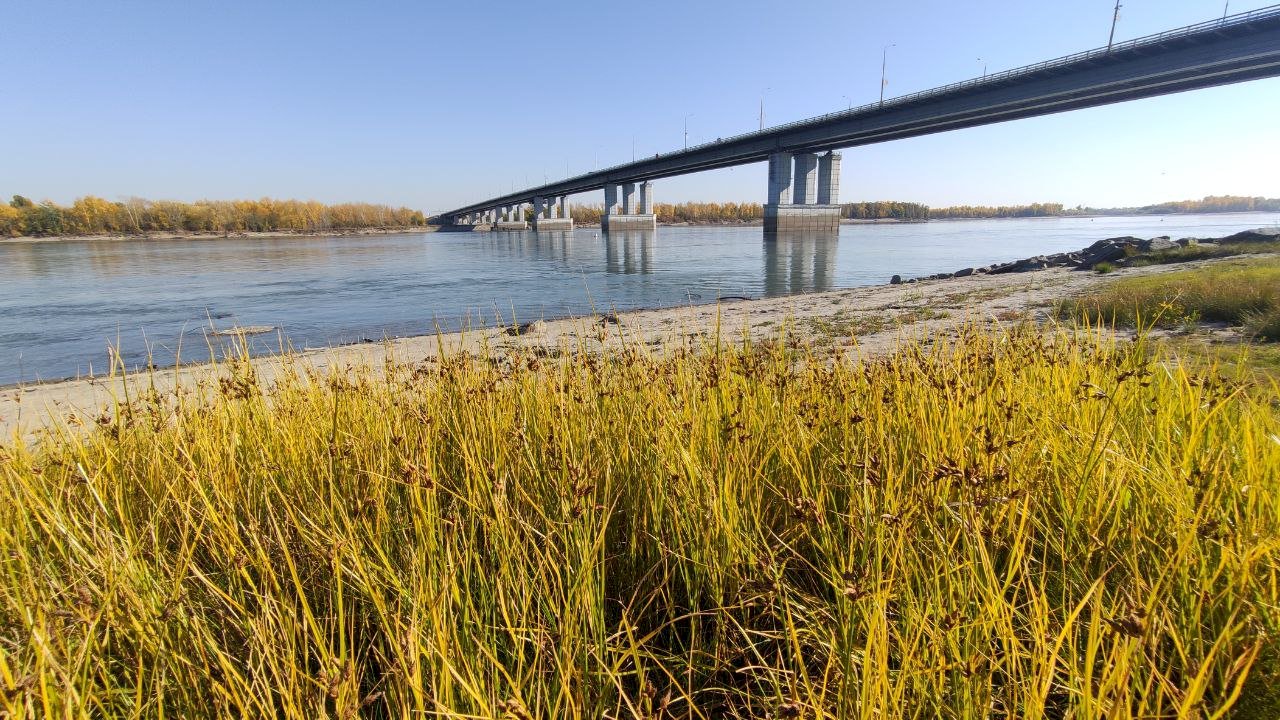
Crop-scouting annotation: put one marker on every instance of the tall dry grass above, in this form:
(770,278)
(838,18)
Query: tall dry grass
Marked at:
(1239,292)
(1003,525)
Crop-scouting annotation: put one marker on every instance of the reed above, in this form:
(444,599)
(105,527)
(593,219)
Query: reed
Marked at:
(1004,524)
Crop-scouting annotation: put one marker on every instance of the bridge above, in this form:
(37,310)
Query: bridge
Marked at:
(803,157)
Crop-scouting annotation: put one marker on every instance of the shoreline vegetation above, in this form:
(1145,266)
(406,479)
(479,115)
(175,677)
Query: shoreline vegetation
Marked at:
(94,218)
(136,217)
(967,497)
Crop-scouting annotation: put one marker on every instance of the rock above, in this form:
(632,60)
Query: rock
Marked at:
(1157,244)
(1108,251)
(1184,242)
(895,280)
(537,327)
(609,319)
(1256,235)
(966,272)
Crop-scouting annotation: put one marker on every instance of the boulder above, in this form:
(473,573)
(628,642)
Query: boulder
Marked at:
(1157,244)
(1184,242)
(1105,251)
(1256,235)
(966,272)
(895,280)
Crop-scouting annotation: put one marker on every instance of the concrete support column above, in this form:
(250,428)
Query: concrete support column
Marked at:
(646,198)
(805,191)
(610,199)
(539,208)
(564,207)
(779,178)
(629,199)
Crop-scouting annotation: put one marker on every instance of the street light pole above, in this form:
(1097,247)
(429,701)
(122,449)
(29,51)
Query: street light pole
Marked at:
(686,130)
(984,67)
(884,60)
(1114,19)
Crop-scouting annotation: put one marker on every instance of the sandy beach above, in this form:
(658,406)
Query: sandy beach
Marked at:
(863,321)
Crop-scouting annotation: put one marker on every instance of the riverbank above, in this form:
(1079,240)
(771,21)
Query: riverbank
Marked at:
(864,321)
(184,235)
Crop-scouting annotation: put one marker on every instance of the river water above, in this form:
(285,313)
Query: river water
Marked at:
(62,304)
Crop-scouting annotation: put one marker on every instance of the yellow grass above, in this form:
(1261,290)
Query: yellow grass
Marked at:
(1004,525)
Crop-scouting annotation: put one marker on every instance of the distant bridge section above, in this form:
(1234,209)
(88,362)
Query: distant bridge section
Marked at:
(804,167)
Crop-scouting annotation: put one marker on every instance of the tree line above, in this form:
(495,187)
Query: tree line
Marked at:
(998,211)
(1210,204)
(885,210)
(711,212)
(94,216)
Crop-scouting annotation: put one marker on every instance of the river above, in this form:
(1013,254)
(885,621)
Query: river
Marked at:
(62,304)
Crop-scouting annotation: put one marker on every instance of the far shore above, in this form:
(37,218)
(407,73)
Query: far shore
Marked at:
(184,235)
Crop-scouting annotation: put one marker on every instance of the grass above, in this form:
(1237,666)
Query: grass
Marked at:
(1207,251)
(848,324)
(1004,524)
(1256,364)
(1241,292)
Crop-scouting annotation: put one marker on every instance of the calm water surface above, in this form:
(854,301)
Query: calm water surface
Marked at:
(63,303)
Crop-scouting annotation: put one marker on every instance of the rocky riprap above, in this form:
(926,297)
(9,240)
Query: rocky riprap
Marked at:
(1113,250)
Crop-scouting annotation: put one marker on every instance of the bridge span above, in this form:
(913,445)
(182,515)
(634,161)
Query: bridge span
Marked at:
(804,165)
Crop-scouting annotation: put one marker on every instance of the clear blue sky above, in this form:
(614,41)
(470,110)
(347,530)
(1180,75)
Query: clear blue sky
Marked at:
(436,104)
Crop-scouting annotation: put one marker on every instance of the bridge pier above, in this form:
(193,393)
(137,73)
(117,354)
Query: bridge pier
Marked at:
(804,193)
(551,214)
(636,211)
(512,218)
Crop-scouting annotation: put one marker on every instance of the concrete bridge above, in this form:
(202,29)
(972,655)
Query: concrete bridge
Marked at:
(804,165)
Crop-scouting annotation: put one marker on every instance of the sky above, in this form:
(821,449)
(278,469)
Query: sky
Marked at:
(435,105)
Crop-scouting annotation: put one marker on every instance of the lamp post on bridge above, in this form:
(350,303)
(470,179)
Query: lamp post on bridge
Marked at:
(686,130)
(1115,18)
(884,61)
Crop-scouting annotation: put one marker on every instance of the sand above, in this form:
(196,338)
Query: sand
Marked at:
(864,321)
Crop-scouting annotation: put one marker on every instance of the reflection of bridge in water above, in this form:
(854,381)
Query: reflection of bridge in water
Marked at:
(793,263)
(799,263)
(629,252)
